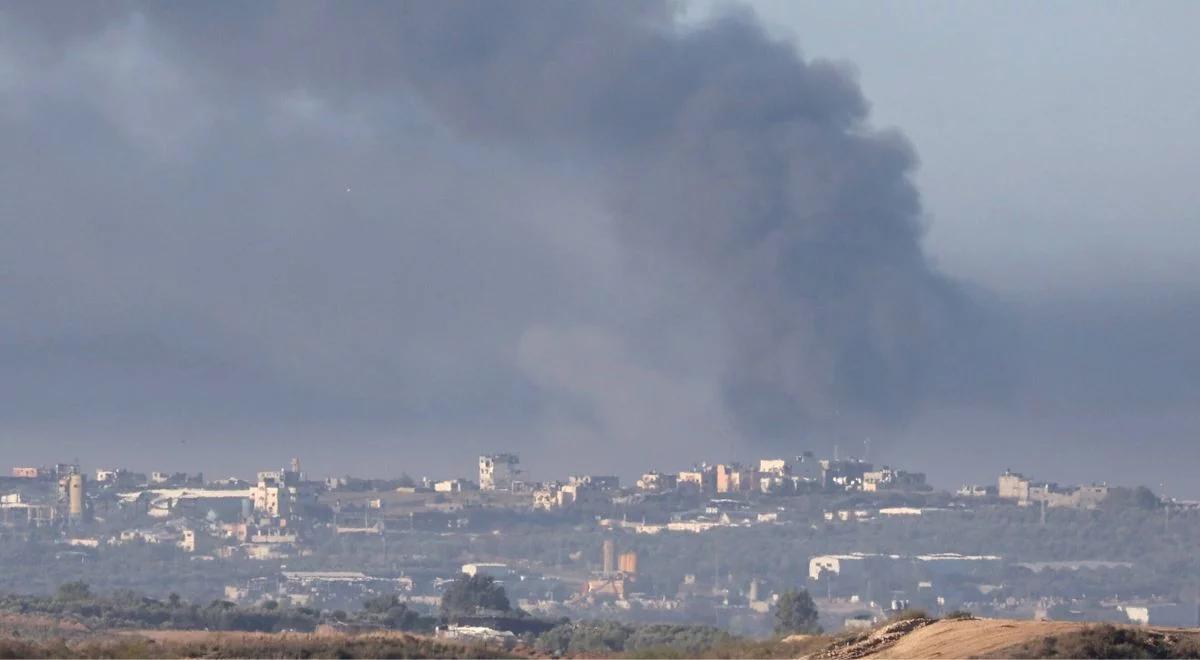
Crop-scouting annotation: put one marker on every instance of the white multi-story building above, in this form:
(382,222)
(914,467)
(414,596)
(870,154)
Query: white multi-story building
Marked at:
(497,471)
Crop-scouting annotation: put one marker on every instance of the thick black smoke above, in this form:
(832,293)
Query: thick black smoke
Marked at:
(722,153)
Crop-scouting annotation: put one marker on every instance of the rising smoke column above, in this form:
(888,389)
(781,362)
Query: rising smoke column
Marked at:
(719,150)
(727,153)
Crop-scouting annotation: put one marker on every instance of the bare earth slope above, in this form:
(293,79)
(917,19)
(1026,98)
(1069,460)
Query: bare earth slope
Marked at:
(971,638)
(35,636)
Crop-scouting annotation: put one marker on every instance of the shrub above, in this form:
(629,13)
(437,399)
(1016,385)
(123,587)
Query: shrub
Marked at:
(1108,641)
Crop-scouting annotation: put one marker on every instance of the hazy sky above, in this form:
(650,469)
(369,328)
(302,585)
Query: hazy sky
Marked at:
(1057,140)
(609,236)
(1058,146)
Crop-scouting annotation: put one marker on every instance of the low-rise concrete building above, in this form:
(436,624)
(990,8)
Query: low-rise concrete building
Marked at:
(656,482)
(491,569)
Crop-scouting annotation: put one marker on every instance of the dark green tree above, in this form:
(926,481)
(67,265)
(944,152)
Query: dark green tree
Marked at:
(796,613)
(391,612)
(470,594)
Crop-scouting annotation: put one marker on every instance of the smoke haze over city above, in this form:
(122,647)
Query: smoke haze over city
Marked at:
(393,236)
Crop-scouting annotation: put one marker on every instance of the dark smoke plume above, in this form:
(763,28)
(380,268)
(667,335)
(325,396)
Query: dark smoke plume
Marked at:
(721,152)
(756,170)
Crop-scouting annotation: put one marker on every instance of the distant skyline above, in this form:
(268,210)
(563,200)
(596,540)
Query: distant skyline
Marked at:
(610,237)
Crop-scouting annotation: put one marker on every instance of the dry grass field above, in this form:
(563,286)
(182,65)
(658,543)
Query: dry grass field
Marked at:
(1003,638)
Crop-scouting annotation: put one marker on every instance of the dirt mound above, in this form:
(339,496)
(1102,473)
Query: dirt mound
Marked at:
(1110,641)
(869,644)
(970,638)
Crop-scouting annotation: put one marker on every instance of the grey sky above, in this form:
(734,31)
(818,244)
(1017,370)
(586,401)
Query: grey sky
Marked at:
(387,237)
(1058,140)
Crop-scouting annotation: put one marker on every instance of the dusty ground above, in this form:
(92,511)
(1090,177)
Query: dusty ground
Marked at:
(263,639)
(970,638)
(208,636)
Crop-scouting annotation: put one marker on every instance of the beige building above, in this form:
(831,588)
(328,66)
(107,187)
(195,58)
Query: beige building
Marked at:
(187,542)
(656,482)
(491,569)
(449,486)
(75,496)
(497,471)
(1078,497)
(577,493)
(607,587)
(272,499)
(774,466)
(702,479)
(1013,486)
(734,478)
(627,563)
(545,497)
(889,479)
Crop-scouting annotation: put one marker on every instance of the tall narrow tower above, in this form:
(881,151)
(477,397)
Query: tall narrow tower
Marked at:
(75,497)
(610,554)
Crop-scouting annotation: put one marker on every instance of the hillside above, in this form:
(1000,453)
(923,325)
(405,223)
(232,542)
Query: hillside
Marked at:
(25,636)
(1001,638)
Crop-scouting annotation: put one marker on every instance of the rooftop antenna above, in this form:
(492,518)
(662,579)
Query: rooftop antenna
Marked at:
(866,450)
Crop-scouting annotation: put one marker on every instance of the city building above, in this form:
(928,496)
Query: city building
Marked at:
(843,474)
(271,496)
(627,563)
(187,541)
(975,490)
(490,569)
(889,479)
(451,486)
(498,471)
(657,482)
(545,496)
(806,467)
(774,466)
(701,479)
(1013,486)
(596,482)
(577,493)
(734,478)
